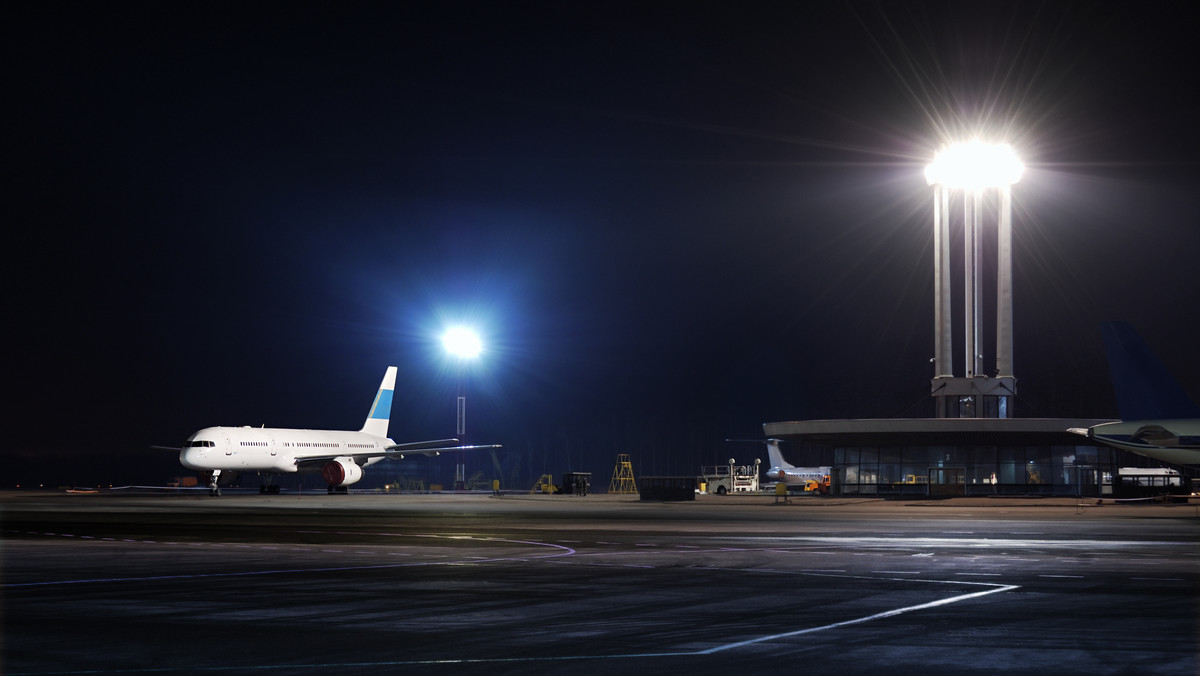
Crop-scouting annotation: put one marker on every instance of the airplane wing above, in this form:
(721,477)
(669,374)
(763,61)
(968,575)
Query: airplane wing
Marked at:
(1176,441)
(1147,433)
(418,445)
(397,451)
(1156,435)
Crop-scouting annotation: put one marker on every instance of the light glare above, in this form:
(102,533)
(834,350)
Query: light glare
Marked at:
(975,165)
(462,342)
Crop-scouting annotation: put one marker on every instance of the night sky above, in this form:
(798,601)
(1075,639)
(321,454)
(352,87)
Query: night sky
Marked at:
(670,222)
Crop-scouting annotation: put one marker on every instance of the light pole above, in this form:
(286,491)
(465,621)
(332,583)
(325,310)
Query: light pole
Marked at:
(973,167)
(462,344)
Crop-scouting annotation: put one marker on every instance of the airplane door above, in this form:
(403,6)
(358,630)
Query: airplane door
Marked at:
(271,444)
(228,445)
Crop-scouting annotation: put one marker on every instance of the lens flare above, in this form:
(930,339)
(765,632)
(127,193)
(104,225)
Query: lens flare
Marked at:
(975,165)
(462,342)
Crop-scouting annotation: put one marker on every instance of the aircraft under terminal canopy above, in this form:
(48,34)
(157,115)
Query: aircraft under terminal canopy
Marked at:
(782,471)
(1158,420)
(339,456)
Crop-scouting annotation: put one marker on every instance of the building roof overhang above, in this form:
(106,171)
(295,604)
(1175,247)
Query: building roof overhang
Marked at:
(935,432)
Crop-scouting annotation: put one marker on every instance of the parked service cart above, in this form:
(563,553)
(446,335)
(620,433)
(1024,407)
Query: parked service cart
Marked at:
(576,483)
(730,478)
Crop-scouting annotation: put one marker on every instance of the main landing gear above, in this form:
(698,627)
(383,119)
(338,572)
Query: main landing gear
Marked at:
(268,485)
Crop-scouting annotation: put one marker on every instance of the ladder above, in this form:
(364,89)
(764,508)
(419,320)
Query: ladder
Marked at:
(622,478)
(544,485)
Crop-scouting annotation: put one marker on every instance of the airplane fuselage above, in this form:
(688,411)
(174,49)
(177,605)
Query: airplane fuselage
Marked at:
(798,475)
(787,473)
(272,449)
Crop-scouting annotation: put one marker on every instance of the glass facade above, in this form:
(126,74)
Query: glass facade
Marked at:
(976,406)
(973,470)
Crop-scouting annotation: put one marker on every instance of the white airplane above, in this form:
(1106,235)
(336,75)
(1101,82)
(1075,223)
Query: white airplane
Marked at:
(1159,420)
(789,474)
(339,456)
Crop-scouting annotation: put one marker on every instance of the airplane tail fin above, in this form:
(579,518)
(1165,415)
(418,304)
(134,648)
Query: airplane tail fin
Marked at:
(1145,389)
(381,408)
(775,457)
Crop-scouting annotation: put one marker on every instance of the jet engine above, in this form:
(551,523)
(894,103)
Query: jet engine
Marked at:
(341,472)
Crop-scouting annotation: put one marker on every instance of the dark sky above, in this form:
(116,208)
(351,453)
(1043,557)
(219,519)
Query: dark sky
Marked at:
(671,222)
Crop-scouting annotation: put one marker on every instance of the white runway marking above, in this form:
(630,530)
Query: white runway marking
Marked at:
(869,618)
(558,556)
(988,543)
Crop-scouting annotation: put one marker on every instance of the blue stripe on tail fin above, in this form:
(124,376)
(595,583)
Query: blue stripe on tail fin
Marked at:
(1144,388)
(383,405)
(381,408)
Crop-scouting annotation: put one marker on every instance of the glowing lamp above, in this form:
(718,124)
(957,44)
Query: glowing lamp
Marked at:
(462,342)
(975,165)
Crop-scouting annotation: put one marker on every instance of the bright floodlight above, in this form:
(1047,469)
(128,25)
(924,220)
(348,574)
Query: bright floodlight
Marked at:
(975,165)
(462,342)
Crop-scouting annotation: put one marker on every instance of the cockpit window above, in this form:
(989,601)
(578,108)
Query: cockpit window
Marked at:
(193,443)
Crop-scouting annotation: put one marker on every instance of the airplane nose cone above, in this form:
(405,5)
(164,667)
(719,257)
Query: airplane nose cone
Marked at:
(191,458)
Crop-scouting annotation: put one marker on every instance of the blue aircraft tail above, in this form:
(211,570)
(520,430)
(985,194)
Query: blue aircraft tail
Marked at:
(1144,388)
(381,408)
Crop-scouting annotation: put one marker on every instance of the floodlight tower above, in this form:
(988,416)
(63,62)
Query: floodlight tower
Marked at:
(973,168)
(463,344)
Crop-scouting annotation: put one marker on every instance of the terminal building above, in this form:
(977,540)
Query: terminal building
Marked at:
(973,446)
(954,456)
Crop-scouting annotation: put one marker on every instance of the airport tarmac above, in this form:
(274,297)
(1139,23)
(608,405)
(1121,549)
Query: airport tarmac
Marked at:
(602,584)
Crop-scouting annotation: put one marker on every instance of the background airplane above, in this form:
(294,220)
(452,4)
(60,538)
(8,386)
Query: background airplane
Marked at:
(791,475)
(1158,419)
(339,456)
(811,478)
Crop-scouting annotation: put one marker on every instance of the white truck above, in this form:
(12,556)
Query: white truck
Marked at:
(730,478)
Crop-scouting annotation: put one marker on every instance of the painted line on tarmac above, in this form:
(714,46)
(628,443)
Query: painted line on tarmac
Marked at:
(564,552)
(861,620)
(981,543)
(243,668)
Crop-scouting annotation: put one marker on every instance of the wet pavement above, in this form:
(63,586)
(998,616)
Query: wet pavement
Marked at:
(462,583)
